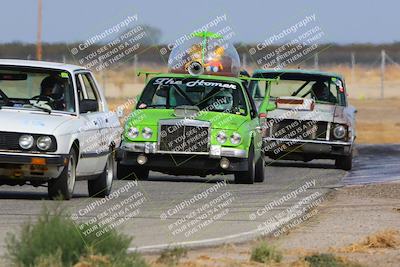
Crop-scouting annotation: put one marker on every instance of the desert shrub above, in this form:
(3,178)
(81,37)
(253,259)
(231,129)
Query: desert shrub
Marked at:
(55,240)
(265,253)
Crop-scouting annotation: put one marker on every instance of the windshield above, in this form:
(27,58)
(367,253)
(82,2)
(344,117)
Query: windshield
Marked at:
(210,95)
(34,88)
(322,89)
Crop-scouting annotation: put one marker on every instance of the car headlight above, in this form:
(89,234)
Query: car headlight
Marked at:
(44,142)
(236,138)
(221,137)
(26,141)
(339,132)
(147,132)
(133,132)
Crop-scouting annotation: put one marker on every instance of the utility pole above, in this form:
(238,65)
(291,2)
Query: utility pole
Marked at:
(316,65)
(353,65)
(39,32)
(383,63)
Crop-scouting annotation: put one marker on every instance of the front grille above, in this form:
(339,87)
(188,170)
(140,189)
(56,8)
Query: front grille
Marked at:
(183,138)
(10,141)
(297,129)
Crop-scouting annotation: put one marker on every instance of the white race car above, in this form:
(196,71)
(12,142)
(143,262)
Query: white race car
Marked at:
(55,128)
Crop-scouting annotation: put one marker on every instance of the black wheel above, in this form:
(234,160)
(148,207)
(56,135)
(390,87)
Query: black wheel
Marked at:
(247,177)
(260,170)
(344,162)
(101,187)
(127,172)
(63,186)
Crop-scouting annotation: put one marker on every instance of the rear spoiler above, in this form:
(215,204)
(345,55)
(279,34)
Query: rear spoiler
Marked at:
(245,78)
(147,73)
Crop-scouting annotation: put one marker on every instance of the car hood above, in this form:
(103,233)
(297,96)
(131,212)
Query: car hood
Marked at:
(35,122)
(321,112)
(219,120)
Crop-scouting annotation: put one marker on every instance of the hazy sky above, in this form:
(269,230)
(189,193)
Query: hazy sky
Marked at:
(72,20)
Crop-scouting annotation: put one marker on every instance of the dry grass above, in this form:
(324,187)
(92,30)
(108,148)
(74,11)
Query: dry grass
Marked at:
(383,239)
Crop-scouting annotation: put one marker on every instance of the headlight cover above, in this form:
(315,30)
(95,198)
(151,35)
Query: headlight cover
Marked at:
(236,138)
(26,141)
(133,132)
(339,132)
(221,137)
(147,132)
(44,142)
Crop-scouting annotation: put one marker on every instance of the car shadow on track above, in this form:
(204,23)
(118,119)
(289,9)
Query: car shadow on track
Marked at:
(159,177)
(31,195)
(296,164)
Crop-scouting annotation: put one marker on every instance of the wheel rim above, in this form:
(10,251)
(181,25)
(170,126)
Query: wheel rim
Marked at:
(109,171)
(71,174)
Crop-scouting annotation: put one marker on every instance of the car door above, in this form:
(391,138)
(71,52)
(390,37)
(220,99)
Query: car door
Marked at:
(255,122)
(91,146)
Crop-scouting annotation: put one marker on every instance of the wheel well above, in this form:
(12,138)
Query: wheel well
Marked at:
(75,145)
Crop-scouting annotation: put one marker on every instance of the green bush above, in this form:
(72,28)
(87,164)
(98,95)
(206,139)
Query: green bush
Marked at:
(55,238)
(328,260)
(265,253)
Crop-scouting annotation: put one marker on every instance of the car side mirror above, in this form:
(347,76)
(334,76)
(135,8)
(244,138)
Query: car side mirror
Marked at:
(88,105)
(270,106)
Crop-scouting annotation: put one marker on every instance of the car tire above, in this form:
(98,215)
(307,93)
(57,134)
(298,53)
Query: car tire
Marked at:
(344,162)
(247,177)
(260,170)
(63,186)
(101,186)
(127,172)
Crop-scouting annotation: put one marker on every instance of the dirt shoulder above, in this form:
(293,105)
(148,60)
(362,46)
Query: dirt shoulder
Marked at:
(377,120)
(359,224)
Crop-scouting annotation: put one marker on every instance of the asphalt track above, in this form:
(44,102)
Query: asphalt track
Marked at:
(167,210)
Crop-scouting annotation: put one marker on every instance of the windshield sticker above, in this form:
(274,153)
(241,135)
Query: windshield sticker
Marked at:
(171,81)
(64,75)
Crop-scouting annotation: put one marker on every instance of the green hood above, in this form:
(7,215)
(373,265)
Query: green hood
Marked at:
(219,120)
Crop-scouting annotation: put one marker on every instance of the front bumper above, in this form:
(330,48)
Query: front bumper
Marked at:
(316,148)
(181,162)
(30,158)
(30,166)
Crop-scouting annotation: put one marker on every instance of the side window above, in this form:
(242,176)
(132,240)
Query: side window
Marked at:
(89,99)
(91,91)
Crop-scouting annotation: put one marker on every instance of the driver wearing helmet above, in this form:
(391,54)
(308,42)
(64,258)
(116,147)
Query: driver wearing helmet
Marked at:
(321,92)
(222,101)
(52,88)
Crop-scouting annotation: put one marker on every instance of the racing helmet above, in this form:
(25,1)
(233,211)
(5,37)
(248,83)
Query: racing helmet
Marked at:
(223,100)
(52,86)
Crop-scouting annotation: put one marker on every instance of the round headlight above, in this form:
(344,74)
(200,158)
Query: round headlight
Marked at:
(236,138)
(147,132)
(133,132)
(26,141)
(43,142)
(339,132)
(221,137)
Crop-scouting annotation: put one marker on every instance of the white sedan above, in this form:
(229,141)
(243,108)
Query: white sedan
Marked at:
(55,128)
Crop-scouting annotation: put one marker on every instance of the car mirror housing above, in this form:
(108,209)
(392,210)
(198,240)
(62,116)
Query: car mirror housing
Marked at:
(88,105)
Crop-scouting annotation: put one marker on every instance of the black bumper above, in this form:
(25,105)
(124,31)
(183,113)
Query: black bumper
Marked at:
(26,159)
(181,163)
(315,150)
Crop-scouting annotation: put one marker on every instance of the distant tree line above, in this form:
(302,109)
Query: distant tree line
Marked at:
(364,54)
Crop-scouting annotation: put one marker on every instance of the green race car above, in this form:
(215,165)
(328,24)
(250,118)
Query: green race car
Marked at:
(195,120)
